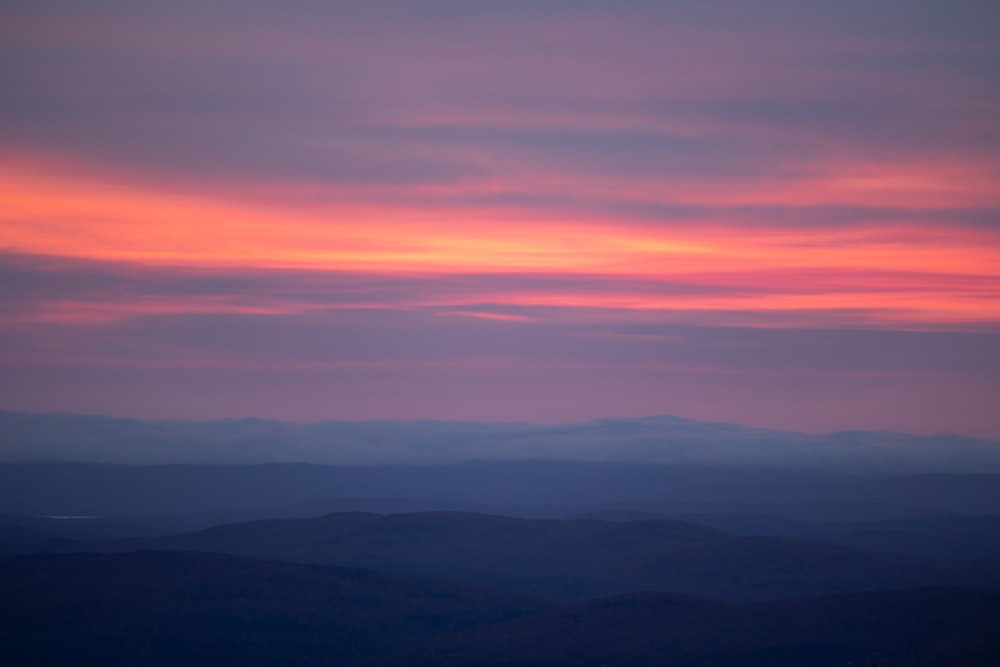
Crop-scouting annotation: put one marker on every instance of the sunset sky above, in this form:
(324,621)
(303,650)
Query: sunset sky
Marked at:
(780,213)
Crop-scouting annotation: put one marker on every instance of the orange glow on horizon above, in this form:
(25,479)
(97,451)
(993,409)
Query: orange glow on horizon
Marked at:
(105,221)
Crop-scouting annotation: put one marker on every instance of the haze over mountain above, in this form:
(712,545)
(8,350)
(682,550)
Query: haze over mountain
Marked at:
(768,516)
(519,488)
(26,437)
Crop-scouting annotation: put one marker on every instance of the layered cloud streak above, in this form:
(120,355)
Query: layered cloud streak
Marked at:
(504,210)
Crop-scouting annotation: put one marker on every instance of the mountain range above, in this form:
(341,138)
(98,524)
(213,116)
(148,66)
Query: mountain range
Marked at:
(30,437)
(655,541)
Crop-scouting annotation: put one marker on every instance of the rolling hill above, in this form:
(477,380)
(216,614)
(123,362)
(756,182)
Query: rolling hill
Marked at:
(159,609)
(572,559)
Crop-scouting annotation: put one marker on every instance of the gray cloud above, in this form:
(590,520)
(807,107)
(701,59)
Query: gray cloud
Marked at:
(335,94)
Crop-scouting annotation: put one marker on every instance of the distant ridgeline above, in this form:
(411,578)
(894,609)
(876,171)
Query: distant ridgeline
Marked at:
(26,437)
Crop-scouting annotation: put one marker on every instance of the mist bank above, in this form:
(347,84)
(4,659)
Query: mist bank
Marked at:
(516,488)
(40,438)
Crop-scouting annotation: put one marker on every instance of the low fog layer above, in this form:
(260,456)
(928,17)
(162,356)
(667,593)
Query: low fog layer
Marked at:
(65,437)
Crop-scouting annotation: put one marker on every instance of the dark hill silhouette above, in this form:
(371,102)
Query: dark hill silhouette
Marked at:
(159,609)
(837,511)
(967,539)
(962,539)
(168,608)
(919,628)
(572,559)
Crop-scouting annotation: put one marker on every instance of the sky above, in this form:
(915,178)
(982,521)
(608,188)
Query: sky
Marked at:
(780,213)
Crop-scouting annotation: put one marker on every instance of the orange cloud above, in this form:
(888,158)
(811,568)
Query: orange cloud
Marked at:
(912,273)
